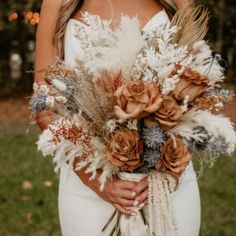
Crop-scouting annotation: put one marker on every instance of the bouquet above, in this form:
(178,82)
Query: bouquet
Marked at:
(138,103)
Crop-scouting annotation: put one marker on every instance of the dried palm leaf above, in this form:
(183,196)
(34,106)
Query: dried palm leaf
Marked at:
(193,23)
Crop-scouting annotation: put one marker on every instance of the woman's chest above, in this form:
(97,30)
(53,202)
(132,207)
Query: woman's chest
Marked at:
(108,9)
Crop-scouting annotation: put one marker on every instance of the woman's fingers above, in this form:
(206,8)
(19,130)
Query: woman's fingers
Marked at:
(141,186)
(123,210)
(142,197)
(143,204)
(125,203)
(126,184)
(127,194)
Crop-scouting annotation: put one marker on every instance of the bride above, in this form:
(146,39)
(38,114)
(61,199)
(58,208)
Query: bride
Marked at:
(83,209)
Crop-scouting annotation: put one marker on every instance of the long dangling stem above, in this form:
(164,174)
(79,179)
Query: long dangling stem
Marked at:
(110,220)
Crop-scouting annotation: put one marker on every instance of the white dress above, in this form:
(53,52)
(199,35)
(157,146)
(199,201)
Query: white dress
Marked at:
(83,213)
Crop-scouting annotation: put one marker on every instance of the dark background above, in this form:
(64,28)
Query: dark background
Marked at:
(17,41)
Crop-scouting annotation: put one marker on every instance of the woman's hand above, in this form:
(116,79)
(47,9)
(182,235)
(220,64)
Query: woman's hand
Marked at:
(141,192)
(120,194)
(116,191)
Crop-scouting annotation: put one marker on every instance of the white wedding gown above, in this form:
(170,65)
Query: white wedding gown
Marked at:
(83,213)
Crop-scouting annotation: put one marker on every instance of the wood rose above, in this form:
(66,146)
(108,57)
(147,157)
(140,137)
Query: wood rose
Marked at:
(124,149)
(175,156)
(191,84)
(137,99)
(169,113)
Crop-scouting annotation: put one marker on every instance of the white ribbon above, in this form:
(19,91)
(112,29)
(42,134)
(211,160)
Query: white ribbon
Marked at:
(134,225)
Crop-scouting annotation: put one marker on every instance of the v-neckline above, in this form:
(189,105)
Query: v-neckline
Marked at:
(143,28)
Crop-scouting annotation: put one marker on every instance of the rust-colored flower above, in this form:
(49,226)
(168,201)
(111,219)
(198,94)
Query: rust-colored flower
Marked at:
(136,99)
(169,113)
(191,84)
(175,156)
(125,149)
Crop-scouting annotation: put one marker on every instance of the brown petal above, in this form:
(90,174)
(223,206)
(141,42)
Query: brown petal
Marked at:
(114,161)
(120,114)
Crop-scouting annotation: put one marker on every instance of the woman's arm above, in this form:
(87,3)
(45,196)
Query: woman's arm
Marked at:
(45,50)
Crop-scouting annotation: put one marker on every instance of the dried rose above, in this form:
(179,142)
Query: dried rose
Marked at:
(125,149)
(136,100)
(169,113)
(175,156)
(191,84)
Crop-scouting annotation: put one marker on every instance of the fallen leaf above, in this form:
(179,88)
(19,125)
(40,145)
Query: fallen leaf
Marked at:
(26,185)
(26,198)
(48,183)
(29,218)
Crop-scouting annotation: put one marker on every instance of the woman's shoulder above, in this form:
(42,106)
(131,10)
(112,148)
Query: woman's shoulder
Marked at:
(52,3)
(51,7)
(49,12)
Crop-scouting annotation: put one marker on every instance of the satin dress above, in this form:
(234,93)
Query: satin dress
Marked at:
(82,212)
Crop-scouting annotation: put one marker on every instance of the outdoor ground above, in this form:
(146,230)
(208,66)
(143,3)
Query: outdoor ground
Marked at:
(28,184)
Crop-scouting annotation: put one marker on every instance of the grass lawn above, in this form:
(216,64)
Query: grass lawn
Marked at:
(32,210)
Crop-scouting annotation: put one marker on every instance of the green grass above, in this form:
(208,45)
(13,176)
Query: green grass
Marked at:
(19,161)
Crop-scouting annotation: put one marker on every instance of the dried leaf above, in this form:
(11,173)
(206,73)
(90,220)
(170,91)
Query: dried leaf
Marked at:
(26,198)
(48,183)
(193,23)
(26,185)
(29,218)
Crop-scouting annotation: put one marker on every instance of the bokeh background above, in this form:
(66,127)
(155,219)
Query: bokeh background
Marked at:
(28,184)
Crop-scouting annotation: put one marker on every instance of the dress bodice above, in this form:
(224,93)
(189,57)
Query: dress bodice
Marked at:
(73,49)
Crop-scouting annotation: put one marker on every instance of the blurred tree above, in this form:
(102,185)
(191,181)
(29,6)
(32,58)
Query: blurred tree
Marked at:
(222,32)
(15,36)
(17,39)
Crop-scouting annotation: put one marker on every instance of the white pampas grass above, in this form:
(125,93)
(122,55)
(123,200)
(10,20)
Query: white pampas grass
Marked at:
(50,101)
(59,84)
(106,49)
(215,125)
(204,63)
(44,143)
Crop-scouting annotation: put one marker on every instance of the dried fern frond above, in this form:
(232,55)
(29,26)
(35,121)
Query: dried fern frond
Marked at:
(193,24)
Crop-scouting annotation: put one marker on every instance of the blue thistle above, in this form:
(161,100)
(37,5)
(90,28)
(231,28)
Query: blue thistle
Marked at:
(218,146)
(37,103)
(219,93)
(150,157)
(153,136)
(142,170)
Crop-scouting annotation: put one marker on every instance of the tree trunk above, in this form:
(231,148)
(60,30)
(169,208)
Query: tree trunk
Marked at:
(220,26)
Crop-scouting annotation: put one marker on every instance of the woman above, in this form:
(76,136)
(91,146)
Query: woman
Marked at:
(83,208)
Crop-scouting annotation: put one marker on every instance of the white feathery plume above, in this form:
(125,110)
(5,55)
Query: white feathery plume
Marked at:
(110,50)
(59,84)
(44,143)
(215,125)
(204,63)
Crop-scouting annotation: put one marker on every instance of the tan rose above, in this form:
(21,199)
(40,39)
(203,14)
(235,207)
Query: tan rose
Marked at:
(191,84)
(169,112)
(125,149)
(136,100)
(175,156)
